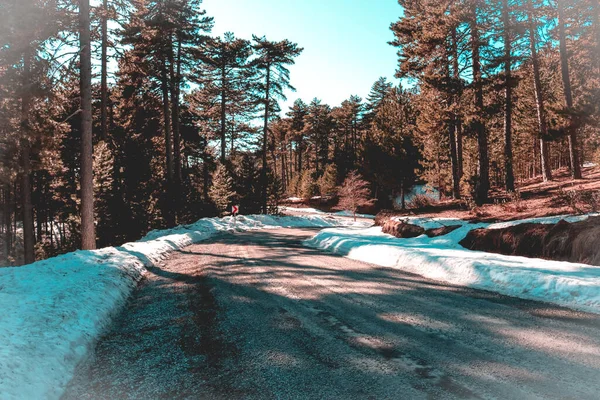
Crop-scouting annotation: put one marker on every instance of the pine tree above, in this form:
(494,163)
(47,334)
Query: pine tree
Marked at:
(297,114)
(328,181)
(88,230)
(225,64)
(566,78)
(539,95)
(317,129)
(308,185)
(271,64)
(221,191)
(482,185)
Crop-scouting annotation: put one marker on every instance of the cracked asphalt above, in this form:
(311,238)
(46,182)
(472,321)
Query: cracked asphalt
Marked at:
(256,315)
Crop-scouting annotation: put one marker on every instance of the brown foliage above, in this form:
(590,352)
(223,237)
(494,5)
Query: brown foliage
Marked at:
(354,193)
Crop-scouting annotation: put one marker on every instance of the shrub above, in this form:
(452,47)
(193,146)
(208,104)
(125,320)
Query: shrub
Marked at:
(579,201)
(420,201)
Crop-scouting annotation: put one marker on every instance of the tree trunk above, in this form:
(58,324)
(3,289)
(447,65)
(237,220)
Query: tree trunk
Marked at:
(232,148)
(299,151)
(508,151)
(7,242)
(169,216)
(205,170)
(483,172)
(403,197)
(564,68)
(283,170)
(454,161)
(27,207)
(596,23)
(174,79)
(457,117)
(175,117)
(223,115)
(264,142)
(451,126)
(104,73)
(539,99)
(88,230)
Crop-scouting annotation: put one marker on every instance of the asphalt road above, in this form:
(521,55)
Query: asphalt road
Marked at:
(257,315)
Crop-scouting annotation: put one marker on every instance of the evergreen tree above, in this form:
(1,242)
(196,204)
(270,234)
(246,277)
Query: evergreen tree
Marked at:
(308,185)
(271,65)
(88,230)
(221,191)
(328,181)
(225,65)
(566,78)
(297,114)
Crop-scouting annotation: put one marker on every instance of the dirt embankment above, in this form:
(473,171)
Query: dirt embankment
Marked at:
(563,241)
(402,229)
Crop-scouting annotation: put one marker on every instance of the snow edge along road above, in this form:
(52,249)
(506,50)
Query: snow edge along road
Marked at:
(53,311)
(572,285)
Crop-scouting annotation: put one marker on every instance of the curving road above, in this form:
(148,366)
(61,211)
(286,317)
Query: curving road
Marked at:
(257,315)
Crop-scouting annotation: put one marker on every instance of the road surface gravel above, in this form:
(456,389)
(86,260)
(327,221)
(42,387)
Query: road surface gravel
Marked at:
(257,315)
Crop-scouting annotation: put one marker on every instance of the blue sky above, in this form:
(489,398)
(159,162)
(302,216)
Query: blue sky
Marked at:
(345,41)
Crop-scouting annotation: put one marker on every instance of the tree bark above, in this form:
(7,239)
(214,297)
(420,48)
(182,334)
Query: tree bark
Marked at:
(508,151)
(483,172)
(452,141)
(205,170)
(264,142)
(169,216)
(176,119)
(88,230)
(454,161)
(223,115)
(175,82)
(27,207)
(7,242)
(596,23)
(564,68)
(458,119)
(104,74)
(539,99)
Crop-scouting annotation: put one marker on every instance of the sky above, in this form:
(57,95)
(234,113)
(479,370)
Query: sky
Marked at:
(345,41)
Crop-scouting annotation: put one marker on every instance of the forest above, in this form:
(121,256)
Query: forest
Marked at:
(124,116)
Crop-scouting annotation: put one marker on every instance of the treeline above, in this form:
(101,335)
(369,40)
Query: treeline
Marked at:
(144,125)
(180,124)
(507,89)
(494,92)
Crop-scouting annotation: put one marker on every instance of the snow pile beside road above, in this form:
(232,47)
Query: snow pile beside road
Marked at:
(54,310)
(349,214)
(309,210)
(306,210)
(442,258)
(430,223)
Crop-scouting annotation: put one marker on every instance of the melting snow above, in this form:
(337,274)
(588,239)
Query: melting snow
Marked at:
(54,310)
(442,258)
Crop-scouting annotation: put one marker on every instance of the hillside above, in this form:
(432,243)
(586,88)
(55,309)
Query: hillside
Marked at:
(534,198)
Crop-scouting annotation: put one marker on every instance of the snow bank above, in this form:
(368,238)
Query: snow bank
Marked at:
(54,310)
(349,214)
(307,210)
(430,223)
(442,258)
